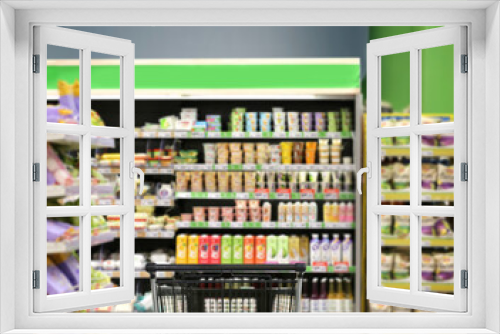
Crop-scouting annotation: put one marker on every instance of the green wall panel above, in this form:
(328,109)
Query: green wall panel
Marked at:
(217,76)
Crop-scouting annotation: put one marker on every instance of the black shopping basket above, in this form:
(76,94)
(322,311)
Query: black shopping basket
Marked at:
(227,288)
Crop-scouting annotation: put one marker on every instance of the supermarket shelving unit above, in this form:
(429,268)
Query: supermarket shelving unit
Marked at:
(152,104)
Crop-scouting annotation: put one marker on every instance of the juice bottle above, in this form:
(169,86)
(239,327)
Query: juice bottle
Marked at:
(348,298)
(342,213)
(327,213)
(226,249)
(347,250)
(260,249)
(315,249)
(323,301)
(349,213)
(193,249)
(289,213)
(314,300)
(237,249)
(335,213)
(249,257)
(294,249)
(204,249)
(305,212)
(272,249)
(181,249)
(305,307)
(297,213)
(304,248)
(215,249)
(283,249)
(281,212)
(313,213)
(266,212)
(339,295)
(331,296)
(325,249)
(335,250)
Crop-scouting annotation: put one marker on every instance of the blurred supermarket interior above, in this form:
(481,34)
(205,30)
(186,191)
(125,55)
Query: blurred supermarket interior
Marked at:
(258,168)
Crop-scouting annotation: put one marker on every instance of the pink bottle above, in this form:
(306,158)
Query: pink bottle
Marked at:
(342,213)
(349,213)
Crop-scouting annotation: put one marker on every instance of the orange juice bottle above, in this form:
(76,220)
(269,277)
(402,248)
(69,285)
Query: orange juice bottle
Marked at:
(192,249)
(181,249)
(249,250)
(260,249)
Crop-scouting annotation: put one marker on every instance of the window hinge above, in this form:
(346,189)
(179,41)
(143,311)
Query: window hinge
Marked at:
(465,64)
(464,171)
(36,172)
(36,279)
(464,279)
(36,63)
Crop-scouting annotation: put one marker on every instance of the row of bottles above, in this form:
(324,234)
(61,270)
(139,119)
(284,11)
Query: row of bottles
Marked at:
(336,296)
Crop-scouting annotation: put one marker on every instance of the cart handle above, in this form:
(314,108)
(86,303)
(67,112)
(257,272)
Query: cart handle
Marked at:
(152,268)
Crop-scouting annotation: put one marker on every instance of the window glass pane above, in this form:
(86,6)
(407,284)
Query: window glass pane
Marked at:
(63,88)
(63,169)
(395,251)
(105,93)
(106,168)
(106,265)
(437,84)
(437,254)
(437,169)
(395,87)
(395,170)
(63,263)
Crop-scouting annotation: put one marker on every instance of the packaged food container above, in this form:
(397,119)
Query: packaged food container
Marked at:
(213,213)
(241,215)
(265,121)
(306,121)
(165,161)
(199,213)
(188,153)
(186,217)
(319,121)
(293,121)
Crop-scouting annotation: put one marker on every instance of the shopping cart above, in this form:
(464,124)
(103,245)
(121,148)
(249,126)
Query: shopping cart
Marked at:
(227,288)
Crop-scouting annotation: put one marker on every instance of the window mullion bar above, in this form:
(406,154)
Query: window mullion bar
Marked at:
(85,168)
(414,169)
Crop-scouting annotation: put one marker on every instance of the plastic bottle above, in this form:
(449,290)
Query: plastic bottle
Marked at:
(339,295)
(281,212)
(323,300)
(289,212)
(305,303)
(313,212)
(349,213)
(266,212)
(331,296)
(297,214)
(335,250)
(347,249)
(305,212)
(335,212)
(315,249)
(325,248)
(314,300)
(327,213)
(342,213)
(348,297)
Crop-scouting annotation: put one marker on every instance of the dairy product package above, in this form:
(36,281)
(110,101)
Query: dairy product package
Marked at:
(347,250)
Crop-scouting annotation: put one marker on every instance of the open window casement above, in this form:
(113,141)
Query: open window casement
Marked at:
(66,126)
(432,145)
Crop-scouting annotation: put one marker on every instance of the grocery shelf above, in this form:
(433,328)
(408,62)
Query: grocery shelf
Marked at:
(242,135)
(144,202)
(404,195)
(146,170)
(426,242)
(72,140)
(138,274)
(254,167)
(74,244)
(266,195)
(265,225)
(426,286)
(150,234)
(340,269)
(427,151)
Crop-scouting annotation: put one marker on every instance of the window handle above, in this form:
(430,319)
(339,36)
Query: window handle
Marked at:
(133,171)
(368,171)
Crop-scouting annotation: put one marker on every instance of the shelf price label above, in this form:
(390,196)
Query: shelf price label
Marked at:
(165,171)
(299,225)
(229,195)
(283,193)
(152,234)
(242,196)
(249,167)
(222,167)
(167,234)
(316,225)
(319,267)
(213,134)
(311,134)
(280,134)
(238,134)
(261,194)
(214,224)
(284,225)
(148,202)
(341,267)
(236,224)
(183,194)
(214,195)
(307,193)
(181,134)
(148,134)
(269,225)
(255,134)
(331,194)
(197,134)
(333,135)
(183,224)
(164,134)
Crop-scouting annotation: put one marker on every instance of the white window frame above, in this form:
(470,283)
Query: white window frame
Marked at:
(483,102)
(413,44)
(84,44)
